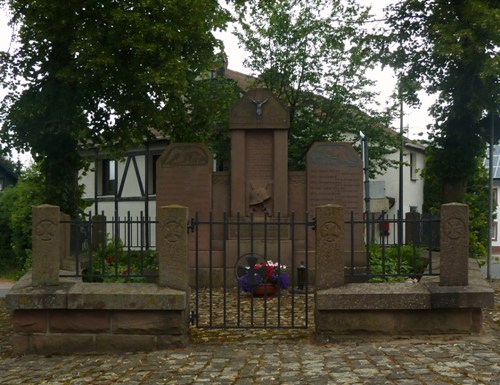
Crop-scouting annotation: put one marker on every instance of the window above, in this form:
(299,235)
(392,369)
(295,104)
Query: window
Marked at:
(108,177)
(413,166)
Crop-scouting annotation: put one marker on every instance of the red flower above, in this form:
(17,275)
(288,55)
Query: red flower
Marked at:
(270,272)
(109,260)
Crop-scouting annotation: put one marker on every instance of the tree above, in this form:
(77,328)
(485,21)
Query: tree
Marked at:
(476,197)
(15,218)
(102,74)
(314,55)
(449,48)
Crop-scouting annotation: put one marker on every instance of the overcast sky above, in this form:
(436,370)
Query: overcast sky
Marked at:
(414,120)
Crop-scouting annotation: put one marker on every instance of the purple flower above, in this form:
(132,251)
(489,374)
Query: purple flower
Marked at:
(247,284)
(284,280)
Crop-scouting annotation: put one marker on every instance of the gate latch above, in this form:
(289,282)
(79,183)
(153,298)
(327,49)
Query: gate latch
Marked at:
(192,318)
(191,225)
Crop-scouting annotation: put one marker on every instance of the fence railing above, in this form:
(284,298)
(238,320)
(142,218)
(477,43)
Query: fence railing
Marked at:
(394,248)
(121,249)
(284,239)
(118,249)
(236,285)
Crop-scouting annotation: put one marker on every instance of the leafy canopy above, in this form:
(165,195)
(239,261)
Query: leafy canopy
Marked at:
(314,55)
(102,73)
(451,49)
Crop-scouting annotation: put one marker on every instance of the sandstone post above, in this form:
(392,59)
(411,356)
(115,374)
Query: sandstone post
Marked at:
(329,246)
(454,269)
(46,245)
(413,229)
(172,245)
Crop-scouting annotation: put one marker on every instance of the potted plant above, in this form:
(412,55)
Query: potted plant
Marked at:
(264,279)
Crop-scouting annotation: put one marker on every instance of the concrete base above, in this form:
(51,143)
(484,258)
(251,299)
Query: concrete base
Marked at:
(403,308)
(75,317)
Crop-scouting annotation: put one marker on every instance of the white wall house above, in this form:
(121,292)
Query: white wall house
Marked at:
(384,192)
(116,187)
(124,189)
(387,184)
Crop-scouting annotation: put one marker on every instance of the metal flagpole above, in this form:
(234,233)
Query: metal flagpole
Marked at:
(400,210)
(364,151)
(490,213)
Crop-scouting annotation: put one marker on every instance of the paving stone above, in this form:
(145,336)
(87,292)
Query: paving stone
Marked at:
(254,357)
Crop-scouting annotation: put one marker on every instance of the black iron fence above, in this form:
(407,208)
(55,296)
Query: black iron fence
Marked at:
(251,272)
(393,249)
(111,250)
(123,248)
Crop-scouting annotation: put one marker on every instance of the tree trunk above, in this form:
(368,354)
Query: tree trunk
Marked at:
(453,191)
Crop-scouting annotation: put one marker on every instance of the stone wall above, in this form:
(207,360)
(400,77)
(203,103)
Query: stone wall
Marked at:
(64,315)
(96,317)
(449,303)
(54,315)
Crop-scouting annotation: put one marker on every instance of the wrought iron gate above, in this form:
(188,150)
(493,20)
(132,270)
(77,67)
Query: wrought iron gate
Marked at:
(236,256)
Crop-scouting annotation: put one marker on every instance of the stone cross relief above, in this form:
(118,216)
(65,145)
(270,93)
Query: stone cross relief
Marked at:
(259,104)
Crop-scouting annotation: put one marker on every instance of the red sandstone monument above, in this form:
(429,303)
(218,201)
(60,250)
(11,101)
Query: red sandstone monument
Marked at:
(259,186)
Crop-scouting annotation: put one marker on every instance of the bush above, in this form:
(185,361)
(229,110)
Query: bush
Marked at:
(387,267)
(15,219)
(112,263)
(7,255)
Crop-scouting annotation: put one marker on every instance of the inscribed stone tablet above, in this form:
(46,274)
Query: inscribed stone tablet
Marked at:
(184,177)
(334,176)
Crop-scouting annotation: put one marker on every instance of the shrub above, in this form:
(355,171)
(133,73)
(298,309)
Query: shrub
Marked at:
(15,219)
(111,262)
(388,267)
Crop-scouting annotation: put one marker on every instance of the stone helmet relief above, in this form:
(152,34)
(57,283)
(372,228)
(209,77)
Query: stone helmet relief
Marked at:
(259,199)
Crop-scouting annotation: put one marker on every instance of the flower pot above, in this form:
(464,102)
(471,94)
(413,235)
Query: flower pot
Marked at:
(265,289)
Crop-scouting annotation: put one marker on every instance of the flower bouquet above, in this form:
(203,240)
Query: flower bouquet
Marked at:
(264,273)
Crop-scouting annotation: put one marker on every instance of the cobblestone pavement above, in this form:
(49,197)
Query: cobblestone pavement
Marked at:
(271,357)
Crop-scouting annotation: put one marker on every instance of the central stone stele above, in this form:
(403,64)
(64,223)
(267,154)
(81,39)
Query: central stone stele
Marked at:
(259,125)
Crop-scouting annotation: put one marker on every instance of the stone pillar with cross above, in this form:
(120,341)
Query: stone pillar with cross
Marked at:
(172,245)
(454,243)
(329,246)
(45,245)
